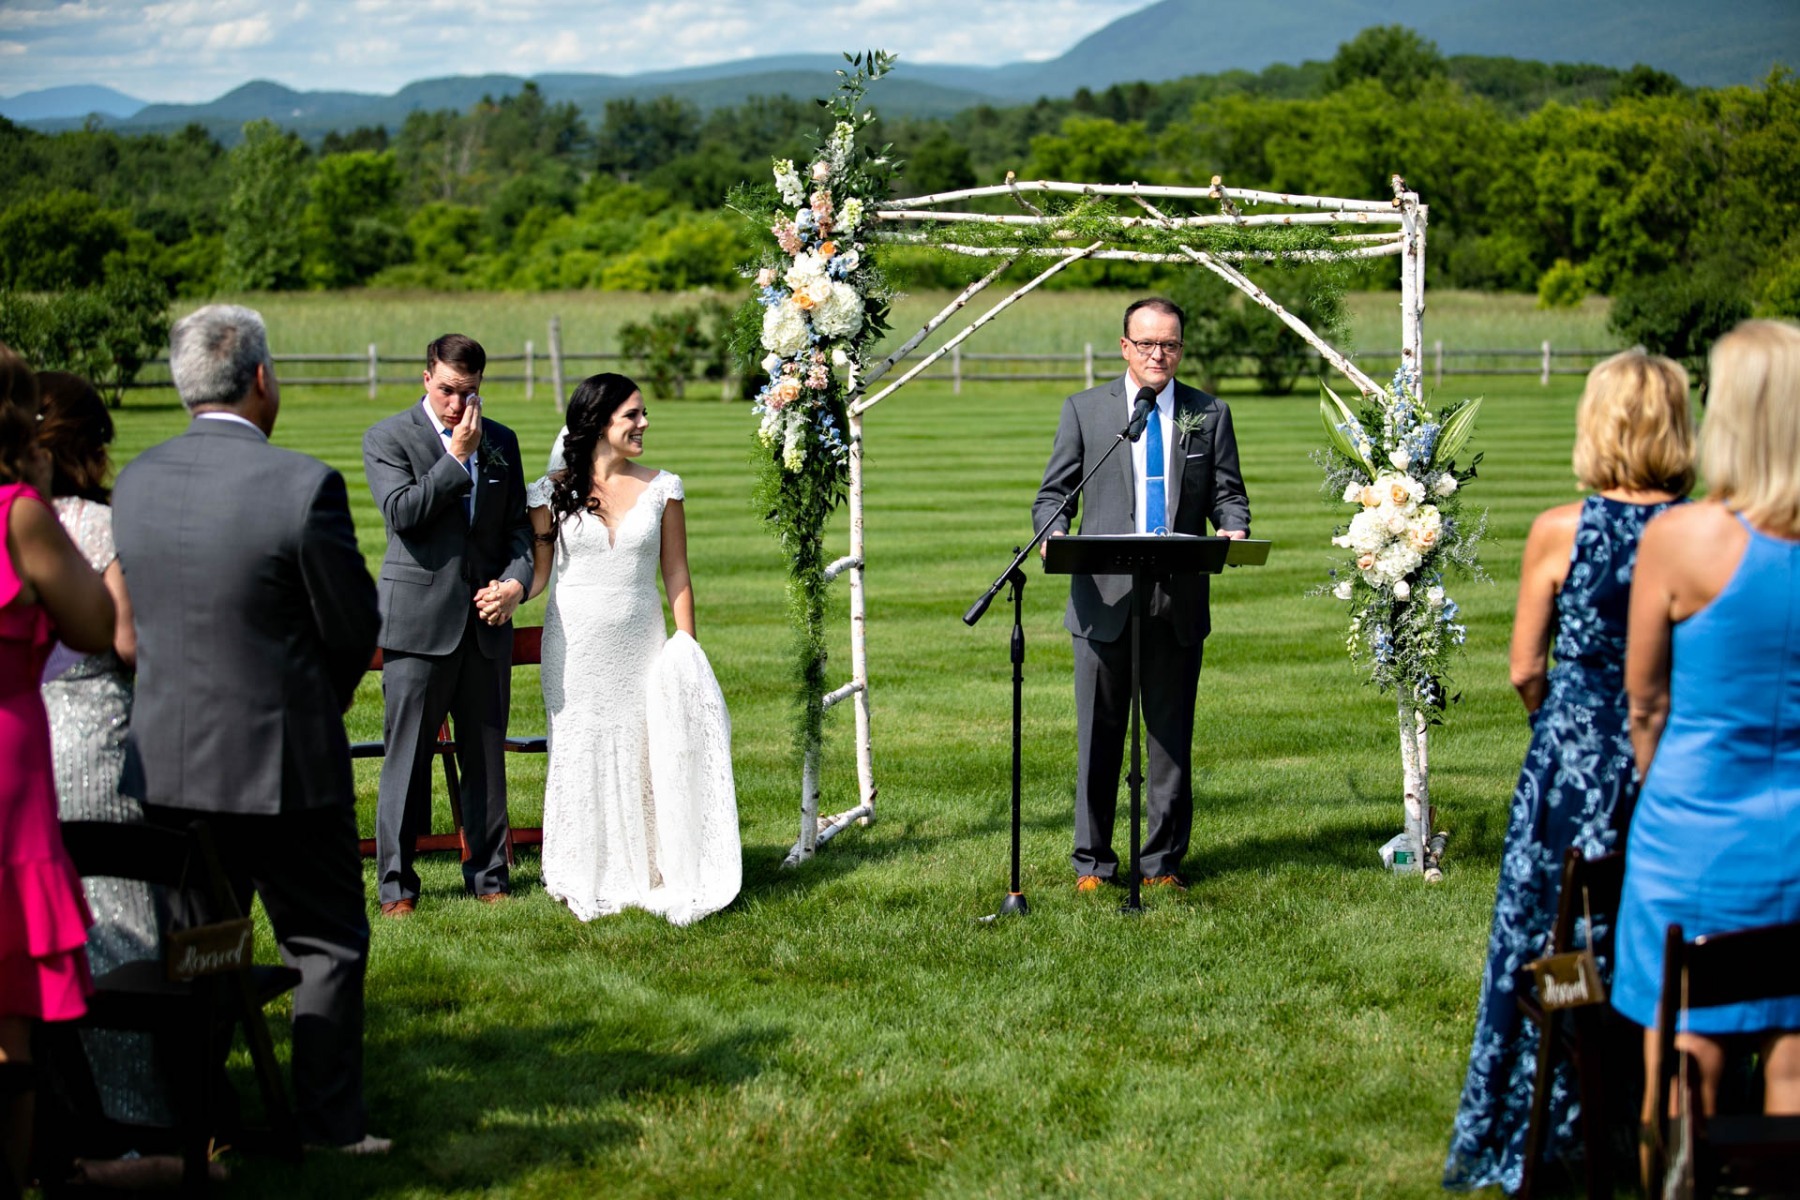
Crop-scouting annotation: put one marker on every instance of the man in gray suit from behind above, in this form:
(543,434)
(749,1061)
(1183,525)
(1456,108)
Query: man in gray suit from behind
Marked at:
(1197,480)
(452,495)
(255,620)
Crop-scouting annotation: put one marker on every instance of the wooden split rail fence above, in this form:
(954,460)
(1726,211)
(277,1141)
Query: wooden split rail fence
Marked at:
(551,368)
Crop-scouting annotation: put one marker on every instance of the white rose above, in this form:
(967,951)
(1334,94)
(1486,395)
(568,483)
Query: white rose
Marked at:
(809,267)
(840,312)
(1401,460)
(1352,493)
(784,329)
(1344,589)
(1435,597)
(839,358)
(1393,520)
(770,363)
(1342,540)
(1446,484)
(1402,590)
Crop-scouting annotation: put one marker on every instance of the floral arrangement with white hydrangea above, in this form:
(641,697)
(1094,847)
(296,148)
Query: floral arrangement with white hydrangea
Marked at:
(819,303)
(822,300)
(1396,461)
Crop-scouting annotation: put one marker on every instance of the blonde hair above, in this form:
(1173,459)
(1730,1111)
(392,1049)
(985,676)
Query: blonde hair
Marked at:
(1750,445)
(1634,428)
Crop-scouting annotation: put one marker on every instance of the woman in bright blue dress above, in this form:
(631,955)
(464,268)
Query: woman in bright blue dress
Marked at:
(1714,679)
(1634,447)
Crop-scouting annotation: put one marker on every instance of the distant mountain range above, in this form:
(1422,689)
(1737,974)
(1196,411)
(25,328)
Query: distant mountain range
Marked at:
(1702,42)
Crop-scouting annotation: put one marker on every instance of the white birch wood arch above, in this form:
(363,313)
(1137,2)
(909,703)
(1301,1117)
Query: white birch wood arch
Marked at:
(904,221)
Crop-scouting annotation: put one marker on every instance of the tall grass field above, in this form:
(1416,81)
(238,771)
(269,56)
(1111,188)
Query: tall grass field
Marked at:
(1296,1025)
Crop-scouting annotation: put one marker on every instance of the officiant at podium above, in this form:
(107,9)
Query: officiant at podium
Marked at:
(1181,473)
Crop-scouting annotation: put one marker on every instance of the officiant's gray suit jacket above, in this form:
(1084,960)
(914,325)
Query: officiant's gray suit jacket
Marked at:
(437,558)
(255,619)
(1205,484)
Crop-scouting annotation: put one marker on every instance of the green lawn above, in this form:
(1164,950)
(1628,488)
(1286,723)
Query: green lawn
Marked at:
(1296,1025)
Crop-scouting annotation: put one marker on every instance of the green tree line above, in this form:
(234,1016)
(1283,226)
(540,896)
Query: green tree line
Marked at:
(1559,179)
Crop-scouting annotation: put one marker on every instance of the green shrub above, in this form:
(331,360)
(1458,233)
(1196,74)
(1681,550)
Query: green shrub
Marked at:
(104,334)
(1564,285)
(1680,312)
(674,347)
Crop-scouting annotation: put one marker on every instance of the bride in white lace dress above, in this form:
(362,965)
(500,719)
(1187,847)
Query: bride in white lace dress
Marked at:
(639,806)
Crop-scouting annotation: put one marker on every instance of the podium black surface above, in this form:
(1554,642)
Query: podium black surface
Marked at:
(1146,558)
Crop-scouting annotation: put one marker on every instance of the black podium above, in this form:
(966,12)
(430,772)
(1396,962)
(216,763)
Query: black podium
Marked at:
(1147,558)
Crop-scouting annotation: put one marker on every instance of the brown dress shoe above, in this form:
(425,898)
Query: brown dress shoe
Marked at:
(1088,883)
(398,908)
(1166,881)
(494,897)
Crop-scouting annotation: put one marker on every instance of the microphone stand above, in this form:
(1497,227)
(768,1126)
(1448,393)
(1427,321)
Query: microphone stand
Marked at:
(1015,895)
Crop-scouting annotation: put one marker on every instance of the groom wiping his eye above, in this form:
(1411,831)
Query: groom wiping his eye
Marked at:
(458,563)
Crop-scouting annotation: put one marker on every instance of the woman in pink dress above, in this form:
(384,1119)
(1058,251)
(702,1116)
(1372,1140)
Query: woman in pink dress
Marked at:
(45,586)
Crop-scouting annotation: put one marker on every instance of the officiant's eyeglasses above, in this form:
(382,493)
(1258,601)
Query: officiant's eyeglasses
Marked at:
(1169,349)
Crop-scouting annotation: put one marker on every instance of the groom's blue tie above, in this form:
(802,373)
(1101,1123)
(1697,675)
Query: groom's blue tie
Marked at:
(1156,497)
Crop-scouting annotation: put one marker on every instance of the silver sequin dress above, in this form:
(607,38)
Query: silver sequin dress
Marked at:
(89,702)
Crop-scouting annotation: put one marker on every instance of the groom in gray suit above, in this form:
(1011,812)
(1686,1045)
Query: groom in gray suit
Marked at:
(1181,473)
(452,495)
(255,620)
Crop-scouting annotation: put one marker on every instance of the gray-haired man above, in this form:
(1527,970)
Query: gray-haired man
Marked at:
(255,619)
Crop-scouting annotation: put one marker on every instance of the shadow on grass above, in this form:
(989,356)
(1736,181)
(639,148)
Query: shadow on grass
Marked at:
(486,1108)
(1347,844)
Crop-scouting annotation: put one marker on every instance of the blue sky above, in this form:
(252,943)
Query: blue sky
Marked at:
(191,50)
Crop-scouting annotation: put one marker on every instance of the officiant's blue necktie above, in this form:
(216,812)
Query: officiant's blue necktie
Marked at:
(1156,499)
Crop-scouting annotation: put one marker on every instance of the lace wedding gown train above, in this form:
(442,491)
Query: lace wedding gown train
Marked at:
(639,806)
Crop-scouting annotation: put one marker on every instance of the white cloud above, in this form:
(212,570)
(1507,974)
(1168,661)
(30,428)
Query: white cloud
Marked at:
(192,50)
(239,35)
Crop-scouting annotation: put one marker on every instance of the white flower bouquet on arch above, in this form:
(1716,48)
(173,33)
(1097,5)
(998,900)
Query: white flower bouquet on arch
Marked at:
(1395,459)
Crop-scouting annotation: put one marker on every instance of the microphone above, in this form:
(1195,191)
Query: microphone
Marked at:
(1140,415)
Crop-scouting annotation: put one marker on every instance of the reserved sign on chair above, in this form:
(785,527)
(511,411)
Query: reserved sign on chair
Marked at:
(210,949)
(1568,980)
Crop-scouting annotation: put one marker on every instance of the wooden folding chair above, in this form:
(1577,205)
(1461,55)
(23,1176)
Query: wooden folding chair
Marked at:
(527,651)
(205,983)
(1743,1150)
(1590,889)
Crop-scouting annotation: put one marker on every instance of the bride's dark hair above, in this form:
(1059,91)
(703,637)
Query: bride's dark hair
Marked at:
(591,408)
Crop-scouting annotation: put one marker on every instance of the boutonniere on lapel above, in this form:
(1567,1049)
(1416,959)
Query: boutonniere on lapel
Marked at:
(490,453)
(1188,422)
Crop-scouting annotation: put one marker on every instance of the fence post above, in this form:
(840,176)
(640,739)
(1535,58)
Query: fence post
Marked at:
(1087,364)
(1437,355)
(374,371)
(556,366)
(956,370)
(530,370)
(1545,378)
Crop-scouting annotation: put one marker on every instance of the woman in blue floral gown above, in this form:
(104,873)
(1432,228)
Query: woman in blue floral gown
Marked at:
(1634,446)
